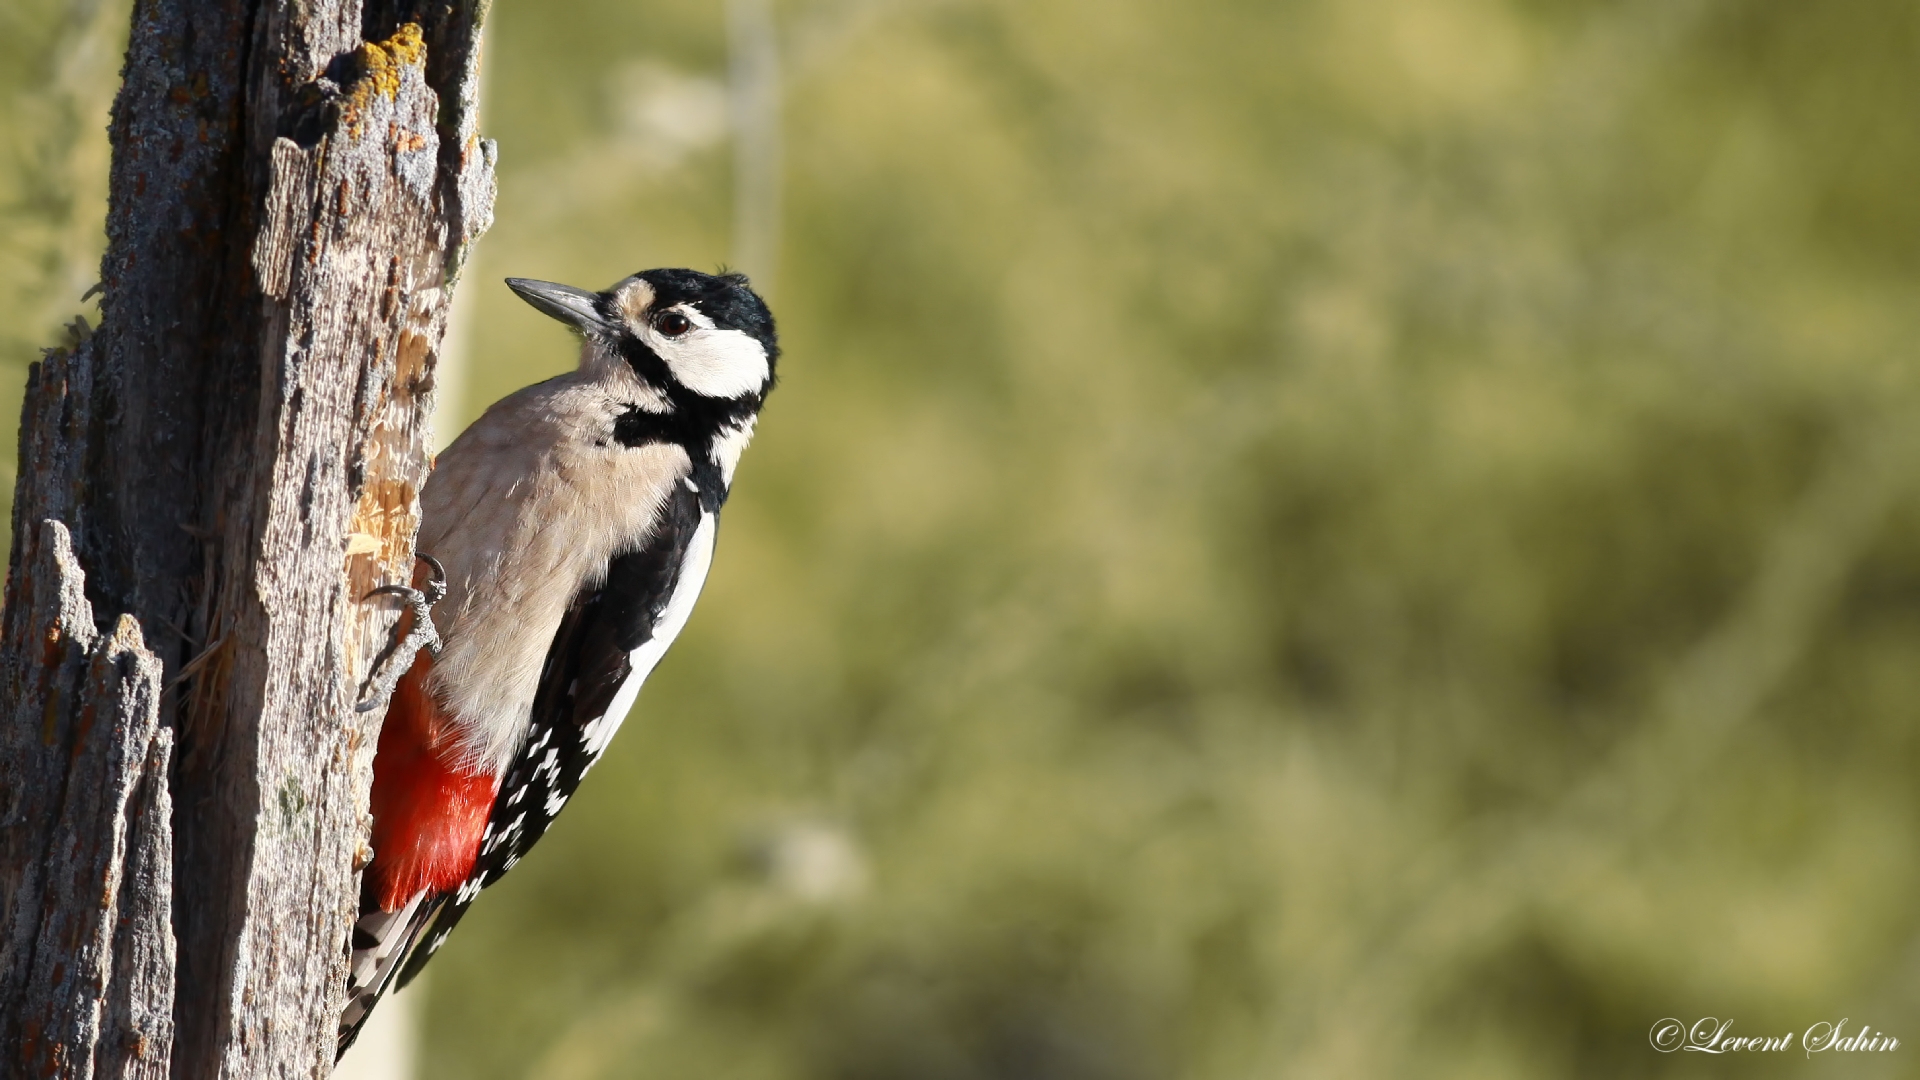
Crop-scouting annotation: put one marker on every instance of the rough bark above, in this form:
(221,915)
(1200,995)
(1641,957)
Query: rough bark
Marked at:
(233,458)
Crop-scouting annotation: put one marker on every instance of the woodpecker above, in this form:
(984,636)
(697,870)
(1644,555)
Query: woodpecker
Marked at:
(571,529)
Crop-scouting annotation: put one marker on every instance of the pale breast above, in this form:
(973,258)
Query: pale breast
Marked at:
(525,509)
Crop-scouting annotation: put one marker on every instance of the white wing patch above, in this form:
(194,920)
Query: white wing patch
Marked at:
(693,575)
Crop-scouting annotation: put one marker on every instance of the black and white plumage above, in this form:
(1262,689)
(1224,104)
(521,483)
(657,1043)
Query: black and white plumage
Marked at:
(576,521)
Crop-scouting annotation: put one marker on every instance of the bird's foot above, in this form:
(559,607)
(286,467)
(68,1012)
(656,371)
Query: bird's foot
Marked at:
(397,657)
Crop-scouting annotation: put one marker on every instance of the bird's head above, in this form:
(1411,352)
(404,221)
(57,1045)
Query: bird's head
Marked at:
(707,336)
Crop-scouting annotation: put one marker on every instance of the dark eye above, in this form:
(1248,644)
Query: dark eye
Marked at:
(672,323)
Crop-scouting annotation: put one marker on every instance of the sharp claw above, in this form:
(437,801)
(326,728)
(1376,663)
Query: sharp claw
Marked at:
(436,578)
(423,635)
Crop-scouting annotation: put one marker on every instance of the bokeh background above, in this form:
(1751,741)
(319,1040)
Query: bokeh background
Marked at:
(1323,538)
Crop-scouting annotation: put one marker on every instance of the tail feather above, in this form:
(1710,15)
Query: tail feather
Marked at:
(382,940)
(428,816)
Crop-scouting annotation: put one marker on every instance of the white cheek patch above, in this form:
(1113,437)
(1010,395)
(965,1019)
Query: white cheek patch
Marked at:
(714,363)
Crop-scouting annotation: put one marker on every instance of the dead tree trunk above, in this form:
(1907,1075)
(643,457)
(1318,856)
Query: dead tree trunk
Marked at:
(208,486)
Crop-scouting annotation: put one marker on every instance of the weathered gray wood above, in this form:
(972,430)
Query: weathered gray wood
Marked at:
(137,1028)
(236,456)
(91,898)
(47,619)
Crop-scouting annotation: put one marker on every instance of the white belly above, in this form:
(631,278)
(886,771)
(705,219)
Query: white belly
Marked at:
(525,510)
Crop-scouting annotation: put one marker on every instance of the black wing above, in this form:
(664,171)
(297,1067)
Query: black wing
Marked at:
(591,659)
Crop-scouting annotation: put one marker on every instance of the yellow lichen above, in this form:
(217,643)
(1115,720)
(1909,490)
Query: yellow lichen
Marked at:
(407,45)
(380,62)
(379,65)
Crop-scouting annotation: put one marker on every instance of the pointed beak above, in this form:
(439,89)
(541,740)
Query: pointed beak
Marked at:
(575,307)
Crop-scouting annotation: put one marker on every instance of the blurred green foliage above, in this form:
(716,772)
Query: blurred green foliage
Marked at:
(57,66)
(1358,538)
